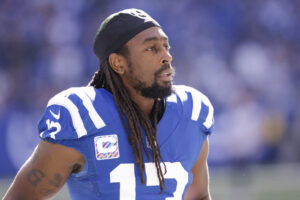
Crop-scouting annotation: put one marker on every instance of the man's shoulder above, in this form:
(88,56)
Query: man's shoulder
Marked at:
(81,92)
(193,103)
(187,89)
(189,94)
(80,96)
(75,113)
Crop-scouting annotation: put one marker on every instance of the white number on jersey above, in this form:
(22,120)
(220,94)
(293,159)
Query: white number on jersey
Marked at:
(124,174)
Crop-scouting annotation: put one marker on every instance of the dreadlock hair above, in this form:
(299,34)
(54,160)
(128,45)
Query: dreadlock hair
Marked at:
(108,79)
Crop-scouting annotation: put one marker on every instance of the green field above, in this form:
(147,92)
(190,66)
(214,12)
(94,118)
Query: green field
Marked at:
(273,182)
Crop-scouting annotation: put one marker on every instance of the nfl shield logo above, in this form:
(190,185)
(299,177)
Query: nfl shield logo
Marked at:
(106,147)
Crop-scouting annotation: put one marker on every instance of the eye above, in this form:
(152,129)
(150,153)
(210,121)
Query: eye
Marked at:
(167,46)
(152,48)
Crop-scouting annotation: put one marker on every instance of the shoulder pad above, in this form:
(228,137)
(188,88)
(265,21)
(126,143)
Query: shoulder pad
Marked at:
(197,106)
(70,111)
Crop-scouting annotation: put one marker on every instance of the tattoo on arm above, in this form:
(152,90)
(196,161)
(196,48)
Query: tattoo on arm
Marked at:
(46,191)
(56,181)
(35,176)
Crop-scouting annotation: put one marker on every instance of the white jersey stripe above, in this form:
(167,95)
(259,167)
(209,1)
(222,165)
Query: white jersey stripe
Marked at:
(196,105)
(90,92)
(180,92)
(172,98)
(210,116)
(73,110)
(96,119)
(198,99)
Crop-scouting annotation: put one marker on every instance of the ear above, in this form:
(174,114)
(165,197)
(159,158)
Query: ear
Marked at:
(116,62)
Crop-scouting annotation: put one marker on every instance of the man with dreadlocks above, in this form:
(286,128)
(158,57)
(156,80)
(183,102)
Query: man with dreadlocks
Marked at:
(130,134)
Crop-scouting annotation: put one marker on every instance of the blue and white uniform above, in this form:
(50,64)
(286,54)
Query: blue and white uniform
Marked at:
(87,120)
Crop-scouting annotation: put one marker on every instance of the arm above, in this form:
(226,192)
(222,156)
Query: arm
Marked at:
(45,172)
(199,189)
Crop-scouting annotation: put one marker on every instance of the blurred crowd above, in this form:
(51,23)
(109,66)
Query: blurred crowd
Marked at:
(244,55)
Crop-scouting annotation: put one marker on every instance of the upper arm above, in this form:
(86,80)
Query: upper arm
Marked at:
(45,172)
(199,189)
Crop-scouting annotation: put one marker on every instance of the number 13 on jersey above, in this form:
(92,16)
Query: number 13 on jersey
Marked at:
(125,175)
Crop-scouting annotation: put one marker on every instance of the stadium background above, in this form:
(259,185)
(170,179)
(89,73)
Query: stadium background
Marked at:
(243,54)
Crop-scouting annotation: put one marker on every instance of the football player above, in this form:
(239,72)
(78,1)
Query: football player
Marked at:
(130,134)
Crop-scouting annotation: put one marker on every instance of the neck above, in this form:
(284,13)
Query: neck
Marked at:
(145,104)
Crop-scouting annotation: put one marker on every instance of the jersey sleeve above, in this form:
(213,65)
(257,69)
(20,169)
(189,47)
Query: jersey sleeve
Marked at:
(57,124)
(199,108)
(206,116)
(70,115)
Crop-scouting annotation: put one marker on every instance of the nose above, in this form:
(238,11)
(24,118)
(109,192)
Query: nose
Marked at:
(166,57)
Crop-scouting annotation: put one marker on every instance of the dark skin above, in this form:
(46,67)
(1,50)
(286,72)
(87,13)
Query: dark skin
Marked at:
(149,50)
(50,165)
(45,172)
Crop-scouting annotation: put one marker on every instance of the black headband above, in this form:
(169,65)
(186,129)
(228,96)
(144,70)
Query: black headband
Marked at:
(119,28)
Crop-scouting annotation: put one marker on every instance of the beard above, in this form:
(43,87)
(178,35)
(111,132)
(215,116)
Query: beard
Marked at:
(155,90)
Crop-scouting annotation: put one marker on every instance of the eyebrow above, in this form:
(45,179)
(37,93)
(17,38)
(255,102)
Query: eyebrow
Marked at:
(150,39)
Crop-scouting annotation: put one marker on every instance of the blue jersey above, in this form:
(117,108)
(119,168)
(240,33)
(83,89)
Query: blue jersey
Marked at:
(87,120)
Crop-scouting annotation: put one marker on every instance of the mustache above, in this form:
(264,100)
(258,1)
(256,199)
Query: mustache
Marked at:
(165,67)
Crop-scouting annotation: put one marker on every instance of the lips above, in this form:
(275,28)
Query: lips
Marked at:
(166,76)
(165,73)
